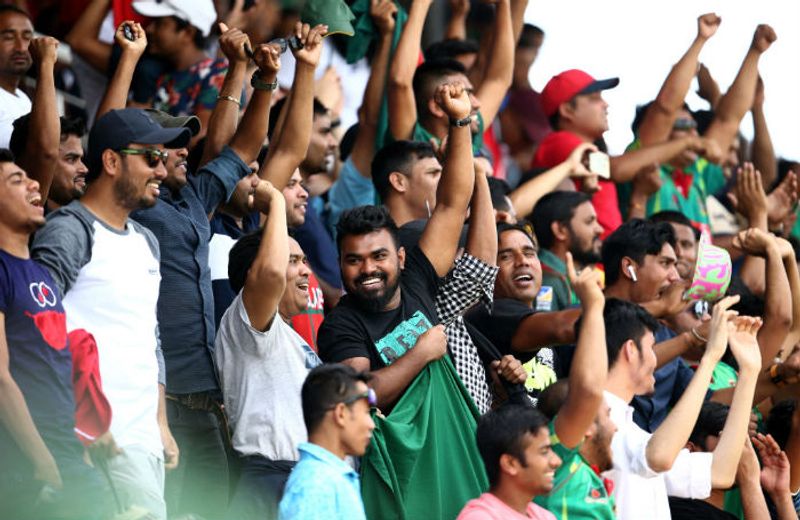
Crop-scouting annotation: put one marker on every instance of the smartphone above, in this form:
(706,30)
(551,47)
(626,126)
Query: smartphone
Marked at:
(599,163)
(128,32)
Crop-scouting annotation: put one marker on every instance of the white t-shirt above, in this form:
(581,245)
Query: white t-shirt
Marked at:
(262,374)
(12,106)
(637,487)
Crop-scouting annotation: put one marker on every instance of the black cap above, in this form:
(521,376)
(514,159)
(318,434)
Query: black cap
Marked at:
(120,128)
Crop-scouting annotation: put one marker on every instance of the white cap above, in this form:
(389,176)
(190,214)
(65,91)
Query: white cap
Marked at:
(200,13)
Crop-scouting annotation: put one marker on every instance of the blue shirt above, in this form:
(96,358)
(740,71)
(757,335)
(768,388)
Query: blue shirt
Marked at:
(350,190)
(186,302)
(321,486)
(319,247)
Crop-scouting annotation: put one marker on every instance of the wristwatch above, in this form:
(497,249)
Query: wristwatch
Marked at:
(259,84)
(461,122)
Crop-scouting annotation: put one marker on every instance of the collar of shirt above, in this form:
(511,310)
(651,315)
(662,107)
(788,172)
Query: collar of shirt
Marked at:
(321,455)
(621,412)
(550,259)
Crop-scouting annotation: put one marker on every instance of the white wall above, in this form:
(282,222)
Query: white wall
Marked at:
(639,41)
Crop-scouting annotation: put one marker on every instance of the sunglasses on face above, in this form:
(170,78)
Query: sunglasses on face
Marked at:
(369,395)
(684,124)
(151,155)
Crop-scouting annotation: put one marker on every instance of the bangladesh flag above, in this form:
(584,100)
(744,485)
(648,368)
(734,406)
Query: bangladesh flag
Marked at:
(423,462)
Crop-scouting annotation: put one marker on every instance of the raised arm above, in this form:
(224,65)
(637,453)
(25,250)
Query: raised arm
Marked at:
(457,25)
(500,67)
(382,12)
(266,278)
(775,475)
(41,150)
(525,197)
(762,151)
(660,116)
(793,274)
(625,167)
(83,36)
(739,98)
(587,375)
(743,344)
(225,115)
(289,145)
(400,92)
(252,131)
(116,94)
(754,506)
(16,418)
(439,240)
(482,234)
(671,436)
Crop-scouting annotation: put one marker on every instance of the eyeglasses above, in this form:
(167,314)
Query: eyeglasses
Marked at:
(152,155)
(684,124)
(283,44)
(369,395)
(700,309)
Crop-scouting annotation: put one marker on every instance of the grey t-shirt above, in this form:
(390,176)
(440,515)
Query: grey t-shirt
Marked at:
(262,374)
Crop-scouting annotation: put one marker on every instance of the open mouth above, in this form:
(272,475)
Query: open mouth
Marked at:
(523,279)
(371,282)
(154,186)
(35,200)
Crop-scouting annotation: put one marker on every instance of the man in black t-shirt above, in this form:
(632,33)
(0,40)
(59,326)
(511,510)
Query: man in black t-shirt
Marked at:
(387,323)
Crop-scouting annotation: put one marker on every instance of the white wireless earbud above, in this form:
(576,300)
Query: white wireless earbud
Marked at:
(632,272)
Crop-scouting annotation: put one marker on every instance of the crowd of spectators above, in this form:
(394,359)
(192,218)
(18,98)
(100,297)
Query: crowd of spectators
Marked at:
(267,260)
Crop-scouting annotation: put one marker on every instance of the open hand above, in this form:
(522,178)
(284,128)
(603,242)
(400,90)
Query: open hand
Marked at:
(748,196)
(775,474)
(742,333)
(782,200)
(453,99)
(577,166)
(718,335)
(311,38)
(586,284)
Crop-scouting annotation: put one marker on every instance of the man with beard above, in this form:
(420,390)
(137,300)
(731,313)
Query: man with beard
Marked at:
(107,267)
(387,322)
(15,60)
(564,221)
(69,177)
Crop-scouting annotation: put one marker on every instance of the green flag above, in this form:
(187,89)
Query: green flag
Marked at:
(423,462)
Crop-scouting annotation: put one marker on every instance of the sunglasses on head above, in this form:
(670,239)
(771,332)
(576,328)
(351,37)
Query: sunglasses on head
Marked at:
(684,124)
(151,155)
(369,395)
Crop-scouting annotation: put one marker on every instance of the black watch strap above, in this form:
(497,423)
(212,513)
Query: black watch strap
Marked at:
(260,84)
(461,122)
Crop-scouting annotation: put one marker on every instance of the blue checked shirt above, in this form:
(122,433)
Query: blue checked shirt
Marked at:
(321,486)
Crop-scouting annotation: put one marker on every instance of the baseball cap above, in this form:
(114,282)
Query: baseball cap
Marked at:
(169,121)
(199,13)
(555,148)
(119,128)
(565,86)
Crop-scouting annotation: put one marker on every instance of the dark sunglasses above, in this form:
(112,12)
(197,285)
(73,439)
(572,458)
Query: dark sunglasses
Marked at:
(700,309)
(684,124)
(369,395)
(292,42)
(151,155)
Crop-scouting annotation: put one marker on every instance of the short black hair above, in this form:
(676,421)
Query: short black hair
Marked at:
(634,239)
(555,118)
(427,77)
(674,217)
(241,257)
(277,108)
(557,206)
(710,421)
(325,387)
(553,398)
(199,40)
(625,321)
(19,136)
(365,219)
(502,431)
(12,8)
(641,110)
(397,156)
(450,49)
(779,421)
(499,190)
(348,142)
(6,155)
(527,38)
(523,226)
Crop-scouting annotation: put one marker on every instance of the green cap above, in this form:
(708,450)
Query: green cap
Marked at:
(170,121)
(333,13)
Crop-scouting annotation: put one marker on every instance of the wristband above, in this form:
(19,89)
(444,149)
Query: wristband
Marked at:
(228,98)
(259,84)
(461,122)
(697,335)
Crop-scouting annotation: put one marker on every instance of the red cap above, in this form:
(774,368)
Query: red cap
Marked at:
(554,149)
(565,86)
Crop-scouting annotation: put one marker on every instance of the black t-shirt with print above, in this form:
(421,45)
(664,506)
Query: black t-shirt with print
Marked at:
(349,331)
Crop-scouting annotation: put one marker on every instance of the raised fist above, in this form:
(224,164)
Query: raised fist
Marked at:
(707,25)
(453,99)
(763,38)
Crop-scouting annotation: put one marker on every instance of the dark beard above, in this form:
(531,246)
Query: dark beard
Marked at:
(373,303)
(584,258)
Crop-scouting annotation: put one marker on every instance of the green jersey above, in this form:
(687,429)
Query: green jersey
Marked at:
(556,293)
(578,492)
(420,134)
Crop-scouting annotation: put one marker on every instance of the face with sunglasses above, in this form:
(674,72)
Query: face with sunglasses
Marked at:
(684,126)
(142,172)
(354,417)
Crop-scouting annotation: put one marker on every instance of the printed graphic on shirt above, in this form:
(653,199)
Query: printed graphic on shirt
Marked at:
(544,300)
(400,340)
(52,324)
